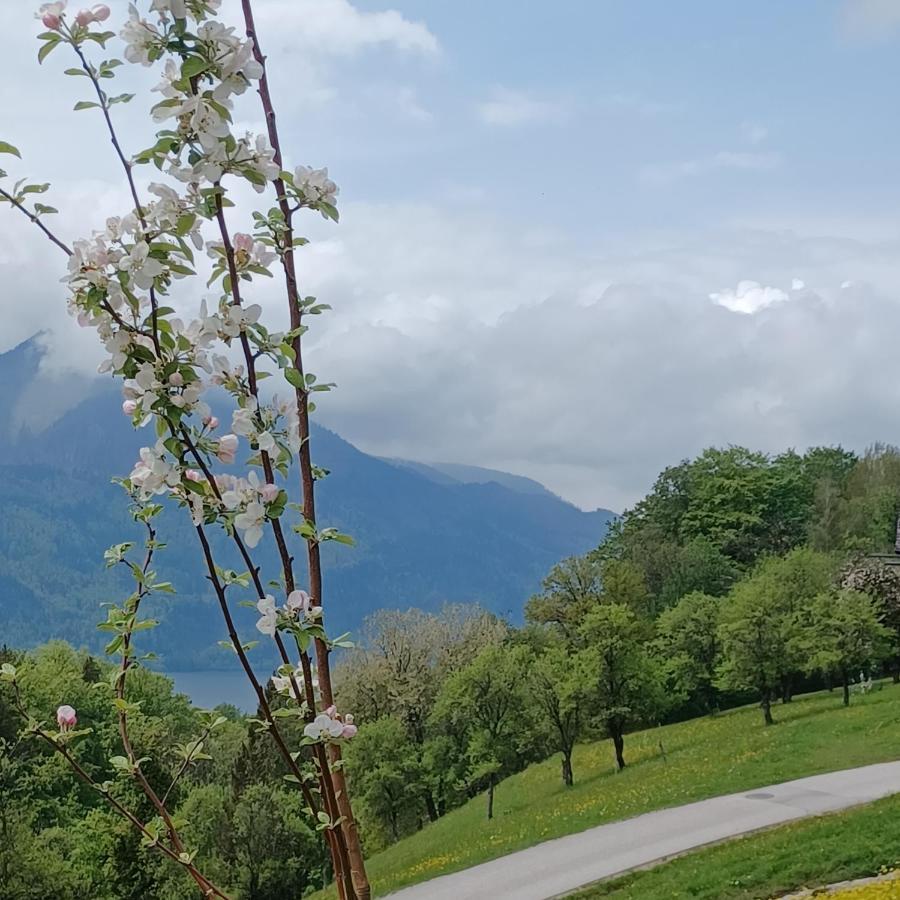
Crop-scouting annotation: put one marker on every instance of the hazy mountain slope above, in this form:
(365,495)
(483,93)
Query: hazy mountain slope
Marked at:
(418,542)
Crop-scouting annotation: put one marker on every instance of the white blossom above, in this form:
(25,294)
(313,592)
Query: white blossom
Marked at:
(314,186)
(268,624)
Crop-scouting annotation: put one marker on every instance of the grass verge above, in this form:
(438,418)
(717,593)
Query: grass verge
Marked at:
(808,854)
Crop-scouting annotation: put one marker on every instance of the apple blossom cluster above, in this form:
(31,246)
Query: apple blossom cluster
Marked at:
(285,681)
(51,15)
(298,610)
(329,725)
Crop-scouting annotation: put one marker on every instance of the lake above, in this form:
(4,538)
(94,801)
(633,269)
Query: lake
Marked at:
(209,689)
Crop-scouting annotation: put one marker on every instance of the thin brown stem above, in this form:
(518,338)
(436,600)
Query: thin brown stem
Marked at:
(35,220)
(307,480)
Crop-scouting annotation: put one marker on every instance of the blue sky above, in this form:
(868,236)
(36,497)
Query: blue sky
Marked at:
(579,241)
(777,107)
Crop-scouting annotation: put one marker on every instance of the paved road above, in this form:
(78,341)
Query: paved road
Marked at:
(555,868)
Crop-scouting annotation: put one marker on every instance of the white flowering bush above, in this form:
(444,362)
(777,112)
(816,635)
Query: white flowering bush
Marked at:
(124,283)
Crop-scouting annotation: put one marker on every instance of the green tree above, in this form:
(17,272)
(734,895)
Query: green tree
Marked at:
(406,657)
(561,696)
(844,635)
(386,773)
(697,566)
(568,591)
(688,642)
(623,679)
(489,703)
(755,635)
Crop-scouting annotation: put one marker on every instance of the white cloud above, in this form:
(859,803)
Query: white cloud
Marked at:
(750,297)
(505,107)
(664,173)
(327,27)
(453,329)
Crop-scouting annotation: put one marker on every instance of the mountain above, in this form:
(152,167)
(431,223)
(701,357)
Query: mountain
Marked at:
(457,473)
(424,535)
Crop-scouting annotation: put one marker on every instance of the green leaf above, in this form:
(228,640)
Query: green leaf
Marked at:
(8,148)
(294,378)
(193,66)
(48,48)
(85,104)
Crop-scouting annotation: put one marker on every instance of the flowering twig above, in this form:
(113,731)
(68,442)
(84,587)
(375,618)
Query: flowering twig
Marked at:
(176,853)
(36,220)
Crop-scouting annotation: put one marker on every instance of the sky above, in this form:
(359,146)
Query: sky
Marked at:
(579,241)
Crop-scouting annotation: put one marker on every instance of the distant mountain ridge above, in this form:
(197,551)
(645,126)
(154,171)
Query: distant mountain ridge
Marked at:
(426,534)
(457,473)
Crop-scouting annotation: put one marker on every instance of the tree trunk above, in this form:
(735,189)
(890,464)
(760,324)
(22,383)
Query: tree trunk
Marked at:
(766,705)
(491,798)
(895,675)
(619,744)
(431,808)
(395,831)
(845,683)
(568,780)
(787,690)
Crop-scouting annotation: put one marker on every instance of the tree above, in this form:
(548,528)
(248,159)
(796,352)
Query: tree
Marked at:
(274,849)
(561,695)
(569,590)
(623,680)
(755,635)
(844,635)
(405,658)
(386,773)
(688,642)
(488,702)
(882,584)
(624,584)
(788,583)
(697,566)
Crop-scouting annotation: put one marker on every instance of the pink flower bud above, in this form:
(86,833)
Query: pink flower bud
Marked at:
(349,731)
(269,492)
(176,379)
(100,12)
(84,17)
(129,407)
(50,21)
(211,422)
(194,475)
(66,718)
(331,712)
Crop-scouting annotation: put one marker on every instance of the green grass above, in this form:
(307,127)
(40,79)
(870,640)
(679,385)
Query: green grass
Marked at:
(705,757)
(819,851)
